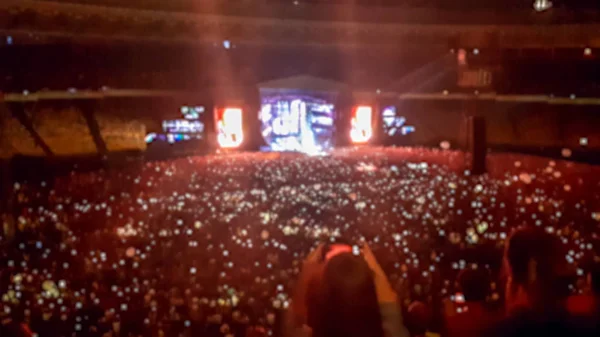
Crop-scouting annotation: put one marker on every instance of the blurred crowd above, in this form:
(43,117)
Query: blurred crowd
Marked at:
(214,245)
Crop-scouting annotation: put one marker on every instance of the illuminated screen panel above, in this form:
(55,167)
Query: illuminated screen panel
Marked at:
(229,127)
(297,123)
(395,125)
(192,112)
(189,126)
(183,126)
(361,129)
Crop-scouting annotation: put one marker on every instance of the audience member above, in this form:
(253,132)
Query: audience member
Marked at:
(349,295)
(470,315)
(536,289)
(418,319)
(536,272)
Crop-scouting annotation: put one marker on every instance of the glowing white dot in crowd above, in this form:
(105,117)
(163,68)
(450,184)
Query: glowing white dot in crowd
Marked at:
(130,252)
(525,178)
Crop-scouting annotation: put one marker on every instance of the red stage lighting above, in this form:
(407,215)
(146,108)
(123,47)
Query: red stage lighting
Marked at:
(230,127)
(362,124)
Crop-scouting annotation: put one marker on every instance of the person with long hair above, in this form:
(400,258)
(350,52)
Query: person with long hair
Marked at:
(537,272)
(345,295)
(537,287)
(474,316)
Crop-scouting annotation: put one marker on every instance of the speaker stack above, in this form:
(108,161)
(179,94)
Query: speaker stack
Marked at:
(477,144)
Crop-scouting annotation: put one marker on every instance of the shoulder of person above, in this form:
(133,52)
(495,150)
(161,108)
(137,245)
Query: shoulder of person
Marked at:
(539,324)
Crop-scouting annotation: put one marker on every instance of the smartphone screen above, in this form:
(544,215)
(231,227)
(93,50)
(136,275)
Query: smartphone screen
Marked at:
(337,249)
(459,298)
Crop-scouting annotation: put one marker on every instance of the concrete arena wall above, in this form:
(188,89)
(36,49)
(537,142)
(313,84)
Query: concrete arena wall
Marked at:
(507,124)
(14,139)
(122,134)
(65,131)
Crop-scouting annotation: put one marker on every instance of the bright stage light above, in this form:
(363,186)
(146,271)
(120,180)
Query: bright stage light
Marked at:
(230,131)
(362,124)
(542,5)
(297,123)
(150,137)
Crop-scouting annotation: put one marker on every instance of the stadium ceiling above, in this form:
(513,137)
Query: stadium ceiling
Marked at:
(442,96)
(318,9)
(310,26)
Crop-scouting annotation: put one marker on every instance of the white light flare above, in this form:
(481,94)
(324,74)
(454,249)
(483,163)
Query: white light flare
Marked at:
(362,125)
(230,131)
(542,5)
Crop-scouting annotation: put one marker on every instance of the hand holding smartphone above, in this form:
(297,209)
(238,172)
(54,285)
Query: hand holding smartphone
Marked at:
(385,292)
(336,249)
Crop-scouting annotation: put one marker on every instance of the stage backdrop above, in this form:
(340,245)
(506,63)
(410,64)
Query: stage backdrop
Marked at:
(299,114)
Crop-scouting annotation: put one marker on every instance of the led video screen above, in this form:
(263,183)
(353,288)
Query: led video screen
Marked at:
(230,127)
(361,128)
(189,126)
(394,124)
(297,123)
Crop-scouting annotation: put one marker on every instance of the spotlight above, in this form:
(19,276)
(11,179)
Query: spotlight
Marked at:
(587,51)
(462,57)
(150,137)
(542,5)
(361,124)
(230,132)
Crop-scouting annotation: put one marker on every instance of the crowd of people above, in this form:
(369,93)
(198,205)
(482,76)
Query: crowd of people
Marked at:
(215,245)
